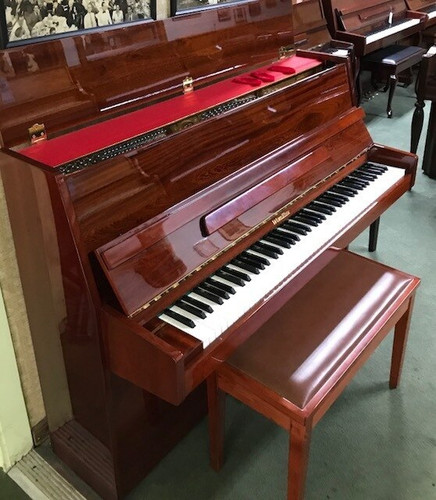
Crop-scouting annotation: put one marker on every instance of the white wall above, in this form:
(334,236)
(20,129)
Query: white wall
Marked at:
(15,436)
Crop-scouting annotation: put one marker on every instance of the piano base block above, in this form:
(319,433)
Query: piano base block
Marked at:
(136,449)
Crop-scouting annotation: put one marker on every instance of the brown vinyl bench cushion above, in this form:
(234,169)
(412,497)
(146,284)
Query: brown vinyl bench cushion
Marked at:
(304,345)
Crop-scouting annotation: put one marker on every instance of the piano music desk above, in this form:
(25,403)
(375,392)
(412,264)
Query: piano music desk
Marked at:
(298,363)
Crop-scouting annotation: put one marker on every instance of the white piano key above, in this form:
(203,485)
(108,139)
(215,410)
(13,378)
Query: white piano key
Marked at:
(290,263)
(391,31)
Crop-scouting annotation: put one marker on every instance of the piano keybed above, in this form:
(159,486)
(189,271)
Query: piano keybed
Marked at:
(211,308)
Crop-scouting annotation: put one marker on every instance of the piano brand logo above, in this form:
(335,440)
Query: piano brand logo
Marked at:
(281,217)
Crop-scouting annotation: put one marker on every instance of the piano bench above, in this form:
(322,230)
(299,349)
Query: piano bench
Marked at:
(298,363)
(391,61)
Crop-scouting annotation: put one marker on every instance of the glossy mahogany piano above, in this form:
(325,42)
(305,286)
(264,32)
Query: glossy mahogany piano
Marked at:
(428,7)
(199,191)
(373,24)
(426,90)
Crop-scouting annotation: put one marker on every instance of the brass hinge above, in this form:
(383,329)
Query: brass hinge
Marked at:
(37,133)
(286,51)
(188,84)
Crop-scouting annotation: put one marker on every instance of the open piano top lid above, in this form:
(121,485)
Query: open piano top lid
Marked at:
(88,77)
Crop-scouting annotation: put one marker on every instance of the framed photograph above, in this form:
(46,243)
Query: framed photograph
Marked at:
(184,6)
(27,21)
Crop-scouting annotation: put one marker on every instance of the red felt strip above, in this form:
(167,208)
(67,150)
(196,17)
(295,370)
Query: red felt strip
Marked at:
(68,147)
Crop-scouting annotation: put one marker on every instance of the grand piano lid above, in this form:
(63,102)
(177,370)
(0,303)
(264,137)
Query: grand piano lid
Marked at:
(85,78)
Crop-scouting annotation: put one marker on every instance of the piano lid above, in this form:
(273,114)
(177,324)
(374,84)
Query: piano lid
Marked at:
(71,82)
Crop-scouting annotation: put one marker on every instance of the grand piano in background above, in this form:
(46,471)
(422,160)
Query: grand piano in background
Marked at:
(373,24)
(166,205)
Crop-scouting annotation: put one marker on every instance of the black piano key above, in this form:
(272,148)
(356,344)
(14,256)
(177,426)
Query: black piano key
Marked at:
(373,165)
(325,198)
(277,241)
(291,237)
(268,250)
(349,192)
(338,195)
(230,277)
(236,273)
(304,219)
(258,258)
(222,286)
(215,290)
(357,177)
(355,186)
(297,227)
(197,303)
(248,259)
(371,169)
(191,309)
(365,176)
(311,213)
(321,207)
(207,295)
(244,265)
(181,319)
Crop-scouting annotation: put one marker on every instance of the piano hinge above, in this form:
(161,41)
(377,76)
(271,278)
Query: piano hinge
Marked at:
(286,51)
(188,84)
(37,133)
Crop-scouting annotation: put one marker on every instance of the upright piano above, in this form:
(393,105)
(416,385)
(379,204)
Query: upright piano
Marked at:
(202,191)
(426,90)
(428,7)
(372,25)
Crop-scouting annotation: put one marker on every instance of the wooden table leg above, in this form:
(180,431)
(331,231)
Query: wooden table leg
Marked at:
(399,348)
(299,447)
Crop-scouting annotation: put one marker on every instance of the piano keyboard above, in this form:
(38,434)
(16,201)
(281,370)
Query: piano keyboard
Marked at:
(391,31)
(212,307)
(431,14)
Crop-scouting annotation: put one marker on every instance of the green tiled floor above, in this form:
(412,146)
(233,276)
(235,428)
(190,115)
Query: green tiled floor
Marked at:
(9,490)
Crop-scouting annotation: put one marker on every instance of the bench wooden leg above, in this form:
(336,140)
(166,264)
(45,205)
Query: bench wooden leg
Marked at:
(216,402)
(392,85)
(400,340)
(299,444)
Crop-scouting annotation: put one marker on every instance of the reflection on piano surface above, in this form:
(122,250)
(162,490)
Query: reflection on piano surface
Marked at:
(208,208)
(371,26)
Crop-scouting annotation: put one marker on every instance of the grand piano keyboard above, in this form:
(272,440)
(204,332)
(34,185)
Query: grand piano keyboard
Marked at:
(212,307)
(395,28)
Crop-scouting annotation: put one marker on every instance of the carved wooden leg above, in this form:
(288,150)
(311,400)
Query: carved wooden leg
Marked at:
(299,446)
(417,122)
(373,235)
(216,402)
(399,348)
(392,85)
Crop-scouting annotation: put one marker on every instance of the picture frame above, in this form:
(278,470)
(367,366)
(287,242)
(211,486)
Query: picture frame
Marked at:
(28,21)
(187,6)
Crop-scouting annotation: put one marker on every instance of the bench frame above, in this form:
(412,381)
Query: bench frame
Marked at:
(299,422)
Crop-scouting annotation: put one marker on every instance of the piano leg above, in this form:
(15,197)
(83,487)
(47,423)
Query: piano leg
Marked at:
(392,86)
(373,235)
(417,122)
(429,160)
(216,402)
